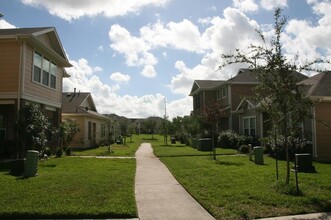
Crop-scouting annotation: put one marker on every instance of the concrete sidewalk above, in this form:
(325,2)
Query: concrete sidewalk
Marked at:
(319,216)
(158,194)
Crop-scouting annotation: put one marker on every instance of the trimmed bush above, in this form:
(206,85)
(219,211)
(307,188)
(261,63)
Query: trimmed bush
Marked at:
(59,152)
(229,139)
(244,149)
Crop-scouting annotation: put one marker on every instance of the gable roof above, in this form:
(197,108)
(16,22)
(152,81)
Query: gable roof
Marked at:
(253,104)
(203,85)
(249,76)
(318,85)
(77,102)
(245,76)
(32,35)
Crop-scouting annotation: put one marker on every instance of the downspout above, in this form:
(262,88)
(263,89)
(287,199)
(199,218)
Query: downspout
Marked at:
(230,104)
(261,125)
(20,75)
(20,89)
(314,133)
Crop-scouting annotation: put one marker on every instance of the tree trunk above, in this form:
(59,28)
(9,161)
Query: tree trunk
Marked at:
(286,144)
(213,143)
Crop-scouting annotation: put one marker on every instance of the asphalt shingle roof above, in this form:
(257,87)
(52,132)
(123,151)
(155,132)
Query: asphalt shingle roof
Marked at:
(71,102)
(318,85)
(22,31)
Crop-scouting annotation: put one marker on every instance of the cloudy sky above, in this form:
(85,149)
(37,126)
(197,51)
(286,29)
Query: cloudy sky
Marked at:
(132,55)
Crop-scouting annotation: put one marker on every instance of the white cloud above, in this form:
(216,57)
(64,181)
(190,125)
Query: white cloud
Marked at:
(107,101)
(220,37)
(223,35)
(119,77)
(245,5)
(131,47)
(148,71)
(183,35)
(100,48)
(5,25)
(323,9)
(213,8)
(71,10)
(308,41)
(272,4)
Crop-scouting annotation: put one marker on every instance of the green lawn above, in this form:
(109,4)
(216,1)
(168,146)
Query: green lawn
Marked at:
(128,150)
(232,187)
(71,188)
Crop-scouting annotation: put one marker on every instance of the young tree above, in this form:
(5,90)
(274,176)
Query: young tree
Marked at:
(124,124)
(278,92)
(32,128)
(150,125)
(131,130)
(67,130)
(212,116)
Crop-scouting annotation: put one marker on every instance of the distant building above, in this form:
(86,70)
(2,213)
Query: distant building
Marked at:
(94,127)
(242,113)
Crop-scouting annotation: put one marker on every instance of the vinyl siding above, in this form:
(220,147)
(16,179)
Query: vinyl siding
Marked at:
(81,138)
(78,140)
(33,89)
(323,133)
(9,66)
(238,92)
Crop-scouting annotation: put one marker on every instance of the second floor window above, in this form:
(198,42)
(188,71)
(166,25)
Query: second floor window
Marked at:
(44,71)
(196,100)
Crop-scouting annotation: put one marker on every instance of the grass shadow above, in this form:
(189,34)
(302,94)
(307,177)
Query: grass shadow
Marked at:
(172,145)
(150,139)
(226,163)
(47,165)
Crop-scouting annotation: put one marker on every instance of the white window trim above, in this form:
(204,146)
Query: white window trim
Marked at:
(249,124)
(41,74)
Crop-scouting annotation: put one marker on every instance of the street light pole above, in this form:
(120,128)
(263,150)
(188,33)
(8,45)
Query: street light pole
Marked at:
(165,122)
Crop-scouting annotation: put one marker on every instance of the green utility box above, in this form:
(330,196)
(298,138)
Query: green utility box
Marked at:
(304,163)
(195,143)
(258,151)
(31,163)
(205,144)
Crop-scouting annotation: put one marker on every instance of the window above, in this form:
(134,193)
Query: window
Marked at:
(44,71)
(224,92)
(37,67)
(103,130)
(89,130)
(249,126)
(53,75)
(197,101)
(2,129)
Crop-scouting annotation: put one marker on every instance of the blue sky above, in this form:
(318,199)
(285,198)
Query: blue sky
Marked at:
(131,55)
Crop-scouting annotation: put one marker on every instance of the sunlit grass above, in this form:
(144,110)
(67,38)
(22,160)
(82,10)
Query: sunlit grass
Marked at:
(232,187)
(71,188)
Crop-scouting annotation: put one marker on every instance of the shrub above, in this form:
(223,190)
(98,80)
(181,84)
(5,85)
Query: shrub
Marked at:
(48,151)
(68,151)
(244,149)
(228,139)
(59,152)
